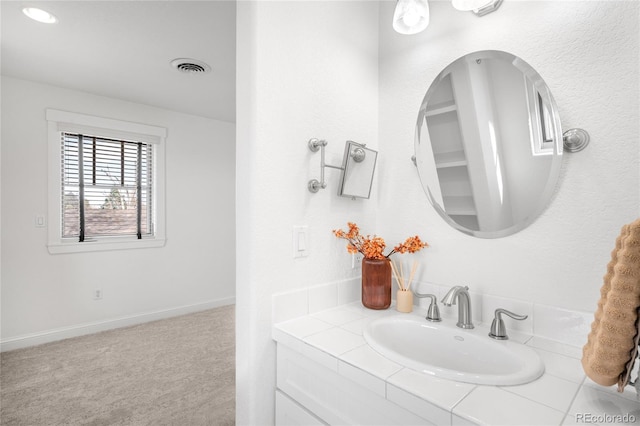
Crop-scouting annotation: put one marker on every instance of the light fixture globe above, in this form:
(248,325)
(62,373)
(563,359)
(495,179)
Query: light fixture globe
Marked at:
(40,15)
(467,5)
(411,16)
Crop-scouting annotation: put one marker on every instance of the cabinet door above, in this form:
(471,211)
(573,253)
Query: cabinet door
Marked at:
(290,413)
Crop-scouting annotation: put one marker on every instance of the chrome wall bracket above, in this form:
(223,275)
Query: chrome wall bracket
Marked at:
(358,165)
(316,145)
(492,6)
(575,140)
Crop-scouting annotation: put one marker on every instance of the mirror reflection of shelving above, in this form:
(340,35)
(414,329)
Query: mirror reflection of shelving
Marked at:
(450,157)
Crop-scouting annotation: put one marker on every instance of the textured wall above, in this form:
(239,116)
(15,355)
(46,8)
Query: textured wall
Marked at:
(316,69)
(587,52)
(305,69)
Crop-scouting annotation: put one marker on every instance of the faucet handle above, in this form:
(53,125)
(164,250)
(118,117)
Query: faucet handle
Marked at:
(433,313)
(498,329)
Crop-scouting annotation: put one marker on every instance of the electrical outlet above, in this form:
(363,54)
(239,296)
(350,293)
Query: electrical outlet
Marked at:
(97,294)
(356,260)
(40,221)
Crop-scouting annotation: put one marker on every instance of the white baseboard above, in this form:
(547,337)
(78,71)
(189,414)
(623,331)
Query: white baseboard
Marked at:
(95,327)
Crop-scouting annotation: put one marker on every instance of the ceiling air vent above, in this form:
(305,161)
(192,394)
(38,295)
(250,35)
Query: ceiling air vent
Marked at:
(191,66)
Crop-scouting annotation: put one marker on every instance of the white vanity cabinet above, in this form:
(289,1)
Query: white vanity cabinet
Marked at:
(310,393)
(328,374)
(290,413)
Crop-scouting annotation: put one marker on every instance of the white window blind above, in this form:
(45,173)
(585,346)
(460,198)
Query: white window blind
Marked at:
(106,187)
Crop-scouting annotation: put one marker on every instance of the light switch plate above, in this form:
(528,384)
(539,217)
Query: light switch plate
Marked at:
(300,241)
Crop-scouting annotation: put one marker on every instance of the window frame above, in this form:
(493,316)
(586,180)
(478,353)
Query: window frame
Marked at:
(540,126)
(71,122)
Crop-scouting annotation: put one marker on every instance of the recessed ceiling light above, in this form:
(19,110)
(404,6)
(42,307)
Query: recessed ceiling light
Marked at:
(40,15)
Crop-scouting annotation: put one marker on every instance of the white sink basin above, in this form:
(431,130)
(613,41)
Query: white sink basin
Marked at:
(450,352)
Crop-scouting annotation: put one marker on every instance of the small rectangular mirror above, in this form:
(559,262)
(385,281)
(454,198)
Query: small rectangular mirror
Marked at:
(358,166)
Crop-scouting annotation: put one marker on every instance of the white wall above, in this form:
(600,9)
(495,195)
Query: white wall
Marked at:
(305,69)
(44,293)
(313,69)
(587,52)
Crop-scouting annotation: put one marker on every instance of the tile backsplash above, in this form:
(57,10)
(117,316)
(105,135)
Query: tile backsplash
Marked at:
(548,322)
(297,303)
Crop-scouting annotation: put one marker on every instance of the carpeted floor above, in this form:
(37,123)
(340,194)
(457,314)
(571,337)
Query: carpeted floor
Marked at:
(177,371)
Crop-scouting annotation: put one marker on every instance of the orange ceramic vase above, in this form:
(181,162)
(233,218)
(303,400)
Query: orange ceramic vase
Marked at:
(376,283)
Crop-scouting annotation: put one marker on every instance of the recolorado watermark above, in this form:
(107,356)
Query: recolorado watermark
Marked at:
(605,418)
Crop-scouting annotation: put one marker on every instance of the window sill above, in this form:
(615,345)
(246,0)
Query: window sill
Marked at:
(89,246)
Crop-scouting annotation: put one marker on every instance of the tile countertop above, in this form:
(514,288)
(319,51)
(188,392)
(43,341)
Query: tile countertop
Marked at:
(563,395)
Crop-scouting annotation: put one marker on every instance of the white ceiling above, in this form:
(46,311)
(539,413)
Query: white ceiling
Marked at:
(123,49)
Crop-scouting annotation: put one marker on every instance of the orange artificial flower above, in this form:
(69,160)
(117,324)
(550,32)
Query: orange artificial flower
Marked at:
(372,247)
(411,245)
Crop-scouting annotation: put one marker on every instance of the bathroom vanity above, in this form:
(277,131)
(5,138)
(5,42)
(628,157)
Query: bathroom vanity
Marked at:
(488,151)
(328,374)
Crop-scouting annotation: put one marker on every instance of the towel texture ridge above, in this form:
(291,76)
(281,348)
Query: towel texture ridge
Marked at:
(611,346)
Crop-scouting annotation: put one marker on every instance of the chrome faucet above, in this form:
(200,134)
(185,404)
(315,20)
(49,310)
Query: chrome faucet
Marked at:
(461,294)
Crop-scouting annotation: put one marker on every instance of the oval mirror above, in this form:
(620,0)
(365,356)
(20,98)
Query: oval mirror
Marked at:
(488,144)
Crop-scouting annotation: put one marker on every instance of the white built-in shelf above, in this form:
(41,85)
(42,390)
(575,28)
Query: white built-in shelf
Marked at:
(450,159)
(443,121)
(460,206)
(441,108)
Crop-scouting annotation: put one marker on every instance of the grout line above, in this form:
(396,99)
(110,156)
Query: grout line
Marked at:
(574,399)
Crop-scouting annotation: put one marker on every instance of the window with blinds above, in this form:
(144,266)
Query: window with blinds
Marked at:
(106,187)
